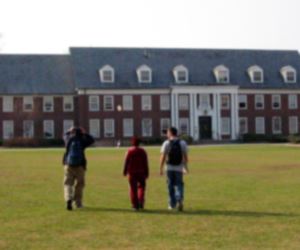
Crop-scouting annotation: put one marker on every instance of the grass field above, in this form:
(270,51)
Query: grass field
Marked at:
(237,197)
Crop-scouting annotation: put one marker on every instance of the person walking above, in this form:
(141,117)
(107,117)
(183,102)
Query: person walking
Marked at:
(75,162)
(174,154)
(137,169)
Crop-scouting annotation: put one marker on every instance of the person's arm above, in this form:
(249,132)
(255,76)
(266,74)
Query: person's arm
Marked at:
(126,163)
(147,165)
(163,158)
(89,140)
(185,157)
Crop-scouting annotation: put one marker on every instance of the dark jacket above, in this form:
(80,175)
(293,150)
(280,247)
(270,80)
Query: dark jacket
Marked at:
(86,140)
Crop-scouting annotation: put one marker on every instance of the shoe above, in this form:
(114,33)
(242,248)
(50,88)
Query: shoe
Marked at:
(180,206)
(170,208)
(141,206)
(135,209)
(69,205)
(79,204)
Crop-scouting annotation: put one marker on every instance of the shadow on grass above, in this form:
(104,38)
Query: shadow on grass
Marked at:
(204,212)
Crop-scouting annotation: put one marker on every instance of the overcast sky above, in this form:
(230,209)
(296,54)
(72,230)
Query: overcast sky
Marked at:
(52,26)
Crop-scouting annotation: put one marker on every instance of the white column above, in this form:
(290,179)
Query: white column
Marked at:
(219,133)
(237,117)
(192,114)
(173,107)
(233,112)
(215,118)
(176,115)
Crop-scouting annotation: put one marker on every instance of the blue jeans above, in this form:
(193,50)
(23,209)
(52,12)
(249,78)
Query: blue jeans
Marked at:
(175,187)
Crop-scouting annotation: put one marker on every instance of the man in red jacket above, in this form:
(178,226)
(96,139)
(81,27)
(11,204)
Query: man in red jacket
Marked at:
(136,167)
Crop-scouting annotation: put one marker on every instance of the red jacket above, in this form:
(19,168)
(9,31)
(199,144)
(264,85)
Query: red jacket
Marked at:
(136,162)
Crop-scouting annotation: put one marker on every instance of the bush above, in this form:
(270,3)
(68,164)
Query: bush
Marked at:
(264,138)
(152,141)
(33,142)
(294,139)
(187,138)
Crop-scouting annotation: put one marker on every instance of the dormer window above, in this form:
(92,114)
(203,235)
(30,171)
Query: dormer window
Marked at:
(222,74)
(289,74)
(107,74)
(181,74)
(144,74)
(256,74)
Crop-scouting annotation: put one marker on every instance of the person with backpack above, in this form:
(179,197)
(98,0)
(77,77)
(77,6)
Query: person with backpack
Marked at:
(136,167)
(74,161)
(174,153)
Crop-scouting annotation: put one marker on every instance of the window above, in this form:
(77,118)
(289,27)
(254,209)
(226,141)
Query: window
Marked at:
(28,129)
(259,101)
(256,74)
(67,124)
(165,123)
(8,130)
(109,128)
(147,127)
(204,101)
(127,102)
(108,103)
(48,129)
(293,101)
(48,104)
(276,101)
(94,103)
(27,103)
(181,74)
(144,74)
(293,125)
(184,126)
(225,121)
(183,101)
(107,74)
(7,104)
(289,74)
(276,125)
(146,102)
(164,102)
(243,102)
(127,127)
(68,103)
(260,125)
(94,127)
(243,125)
(225,102)
(221,74)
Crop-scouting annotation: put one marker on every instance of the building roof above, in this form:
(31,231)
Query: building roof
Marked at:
(200,63)
(36,74)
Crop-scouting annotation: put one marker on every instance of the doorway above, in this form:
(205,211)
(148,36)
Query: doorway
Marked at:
(205,128)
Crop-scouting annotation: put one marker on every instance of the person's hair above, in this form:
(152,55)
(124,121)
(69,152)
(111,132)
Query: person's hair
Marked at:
(76,131)
(135,141)
(173,131)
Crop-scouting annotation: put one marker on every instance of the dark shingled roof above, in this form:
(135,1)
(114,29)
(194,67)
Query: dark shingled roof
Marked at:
(36,74)
(200,63)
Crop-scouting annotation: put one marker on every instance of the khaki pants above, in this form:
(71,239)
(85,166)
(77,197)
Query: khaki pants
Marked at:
(72,175)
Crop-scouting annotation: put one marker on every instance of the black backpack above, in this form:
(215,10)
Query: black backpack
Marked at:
(175,153)
(75,154)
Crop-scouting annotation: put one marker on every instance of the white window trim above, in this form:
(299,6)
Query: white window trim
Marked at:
(139,72)
(107,68)
(68,100)
(263,130)
(127,133)
(289,100)
(28,100)
(228,130)
(274,131)
(273,99)
(94,131)
(245,119)
(11,129)
(67,124)
(284,73)
(7,104)
(162,120)
(146,106)
(130,106)
(221,68)
(92,109)
(256,101)
(181,68)
(228,103)
(32,128)
(143,128)
(111,132)
(105,98)
(47,99)
(185,121)
(51,122)
(164,107)
(293,131)
(246,102)
(180,103)
(251,73)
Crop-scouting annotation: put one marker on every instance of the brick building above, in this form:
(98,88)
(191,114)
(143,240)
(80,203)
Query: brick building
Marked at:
(118,92)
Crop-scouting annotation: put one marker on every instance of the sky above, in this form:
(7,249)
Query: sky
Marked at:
(52,26)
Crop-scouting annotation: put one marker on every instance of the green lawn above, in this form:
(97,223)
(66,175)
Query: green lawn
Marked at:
(237,197)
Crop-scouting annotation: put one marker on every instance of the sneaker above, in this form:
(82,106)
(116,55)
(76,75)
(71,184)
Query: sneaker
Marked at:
(79,205)
(141,206)
(170,208)
(180,206)
(69,205)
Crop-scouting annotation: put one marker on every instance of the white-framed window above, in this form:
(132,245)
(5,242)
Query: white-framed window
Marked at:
(293,125)
(28,129)
(222,74)
(147,127)
(276,101)
(165,124)
(260,125)
(28,103)
(164,102)
(225,102)
(243,125)
(184,126)
(94,128)
(144,74)
(276,125)
(225,122)
(108,103)
(67,124)
(8,129)
(259,101)
(293,101)
(48,104)
(204,100)
(109,128)
(7,104)
(146,102)
(128,129)
(127,102)
(181,74)
(289,74)
(68,103)
(48,129)
(183,102)
(94,104)
(256,74)
(243,102)
(107,74)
